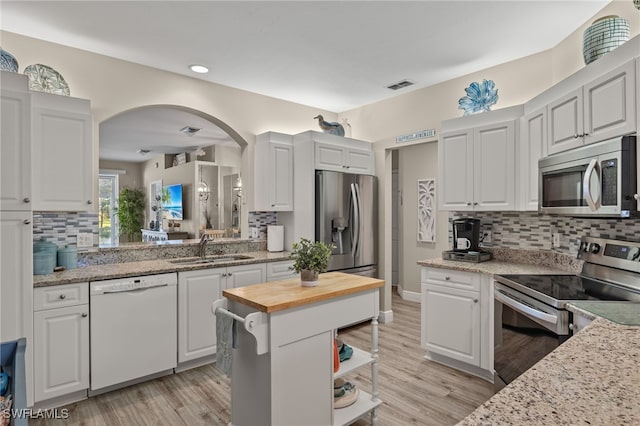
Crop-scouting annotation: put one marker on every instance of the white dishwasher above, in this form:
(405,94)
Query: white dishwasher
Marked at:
(134,329)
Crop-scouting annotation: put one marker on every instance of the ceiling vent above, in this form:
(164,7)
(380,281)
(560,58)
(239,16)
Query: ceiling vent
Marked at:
(400,85)
(188,130)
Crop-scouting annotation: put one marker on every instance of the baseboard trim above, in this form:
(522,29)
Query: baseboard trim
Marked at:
(188,365)
(385,317)
(410,296)
(61,401)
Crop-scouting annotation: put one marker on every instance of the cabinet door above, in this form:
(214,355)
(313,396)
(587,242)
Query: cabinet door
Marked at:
(197,290)
(243,275)
(61,348)
(494,167)
(358,161)
(533,144)
(16,273)
(610,105)
(281,176)
(456,171)
(329,157)
(451,323)
(62,147)
(566,122)
(15,151)
(280,270)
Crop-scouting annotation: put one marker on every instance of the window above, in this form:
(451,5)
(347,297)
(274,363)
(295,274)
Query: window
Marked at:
(107,217)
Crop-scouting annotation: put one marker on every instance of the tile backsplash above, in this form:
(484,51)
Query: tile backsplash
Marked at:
(260,220)
(532,231)
(62,228)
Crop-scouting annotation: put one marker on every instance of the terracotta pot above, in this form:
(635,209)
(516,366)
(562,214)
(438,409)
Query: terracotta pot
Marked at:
(309,278)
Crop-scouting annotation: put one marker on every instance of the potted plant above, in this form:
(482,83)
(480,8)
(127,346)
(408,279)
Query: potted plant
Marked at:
(131,213)
(310,259)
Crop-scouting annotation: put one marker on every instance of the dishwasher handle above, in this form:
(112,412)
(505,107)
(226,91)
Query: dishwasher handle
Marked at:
(129,290)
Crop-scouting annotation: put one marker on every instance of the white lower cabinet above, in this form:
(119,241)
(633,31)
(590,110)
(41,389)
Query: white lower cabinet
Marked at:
(61,341)
(456,319)
(277,271)
(197,290)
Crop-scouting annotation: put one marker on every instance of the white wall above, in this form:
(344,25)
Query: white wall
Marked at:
(132,176)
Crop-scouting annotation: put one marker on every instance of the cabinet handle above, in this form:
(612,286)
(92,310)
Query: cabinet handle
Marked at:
(62,296)
(27,221)
(26,199)
(89,202)
(475,300)
(447,278)
(84,315)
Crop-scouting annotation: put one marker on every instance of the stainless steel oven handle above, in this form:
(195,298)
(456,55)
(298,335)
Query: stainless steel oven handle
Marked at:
(594,166)
(504,298)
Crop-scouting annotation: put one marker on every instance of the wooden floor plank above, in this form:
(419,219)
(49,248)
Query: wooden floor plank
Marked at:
(414,391)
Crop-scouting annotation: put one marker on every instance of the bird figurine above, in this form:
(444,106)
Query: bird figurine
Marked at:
(331,127)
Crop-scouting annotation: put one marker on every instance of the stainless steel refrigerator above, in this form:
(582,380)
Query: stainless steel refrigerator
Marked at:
(346,206)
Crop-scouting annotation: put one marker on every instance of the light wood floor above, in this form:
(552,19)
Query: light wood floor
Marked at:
(414,391)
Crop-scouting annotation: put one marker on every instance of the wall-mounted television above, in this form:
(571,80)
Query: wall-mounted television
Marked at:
(172,208)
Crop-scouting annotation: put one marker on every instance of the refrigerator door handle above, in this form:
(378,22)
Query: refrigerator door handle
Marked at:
(356,218)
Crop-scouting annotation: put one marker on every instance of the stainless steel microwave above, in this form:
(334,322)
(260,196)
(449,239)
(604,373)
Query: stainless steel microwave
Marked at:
(599,179)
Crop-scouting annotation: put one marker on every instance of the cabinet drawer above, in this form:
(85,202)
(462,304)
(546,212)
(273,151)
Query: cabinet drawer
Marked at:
(280,270)
(60,296)
(451,278)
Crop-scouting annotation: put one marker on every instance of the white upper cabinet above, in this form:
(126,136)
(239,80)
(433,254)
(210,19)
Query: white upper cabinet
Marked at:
(62,153)
(602,108)
(346,159)
(15,148)
(273,172)
(477,163)
(533,145)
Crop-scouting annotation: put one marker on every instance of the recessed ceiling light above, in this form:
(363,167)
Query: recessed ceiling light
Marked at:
(200,69)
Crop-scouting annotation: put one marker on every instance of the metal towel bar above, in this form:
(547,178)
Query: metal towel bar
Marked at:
(256,323)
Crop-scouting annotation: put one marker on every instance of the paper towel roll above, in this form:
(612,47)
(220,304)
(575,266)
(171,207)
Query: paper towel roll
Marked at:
(275,238)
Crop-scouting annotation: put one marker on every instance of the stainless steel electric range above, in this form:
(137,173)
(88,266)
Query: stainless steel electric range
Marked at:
(532,308)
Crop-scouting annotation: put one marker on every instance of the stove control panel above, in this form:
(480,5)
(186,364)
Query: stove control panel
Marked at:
(616,253)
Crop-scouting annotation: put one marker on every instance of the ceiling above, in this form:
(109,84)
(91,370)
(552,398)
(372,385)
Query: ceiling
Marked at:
(330,55)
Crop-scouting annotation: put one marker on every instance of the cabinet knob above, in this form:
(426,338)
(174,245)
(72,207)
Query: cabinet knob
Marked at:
(224,274)
(475,300)
(291,268)
(348,167)
(468,204)
(27,221)
(475,204)
(84,315)
(229,274)
(62,296)
(585,134)
(89,202)
(26,199)
(572,326)
(273,205)
(447,278)
(576,136)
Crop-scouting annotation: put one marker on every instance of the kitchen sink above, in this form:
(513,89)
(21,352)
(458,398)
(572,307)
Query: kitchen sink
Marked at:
(209,260)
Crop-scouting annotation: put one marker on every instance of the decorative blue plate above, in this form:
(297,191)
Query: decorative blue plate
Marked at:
(45,79)
(480,97)
(7,61)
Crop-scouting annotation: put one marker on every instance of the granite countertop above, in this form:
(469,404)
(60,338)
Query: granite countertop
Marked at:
(590,379)
(625,313)
(146,267)
(494,267)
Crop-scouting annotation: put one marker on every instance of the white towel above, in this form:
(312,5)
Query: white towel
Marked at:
(226,341)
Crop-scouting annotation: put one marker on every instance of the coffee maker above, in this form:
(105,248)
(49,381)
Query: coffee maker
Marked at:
(466,241)
(466,234)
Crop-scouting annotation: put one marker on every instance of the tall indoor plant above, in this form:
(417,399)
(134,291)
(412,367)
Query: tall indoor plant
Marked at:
(310,258)
(131,213)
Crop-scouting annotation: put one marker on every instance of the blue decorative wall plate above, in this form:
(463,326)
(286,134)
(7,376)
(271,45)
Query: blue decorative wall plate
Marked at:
(480,97)
(7,61)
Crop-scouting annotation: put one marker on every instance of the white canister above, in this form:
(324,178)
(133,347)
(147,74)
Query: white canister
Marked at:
(275,238)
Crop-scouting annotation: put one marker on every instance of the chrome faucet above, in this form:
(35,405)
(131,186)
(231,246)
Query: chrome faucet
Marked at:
(203,243)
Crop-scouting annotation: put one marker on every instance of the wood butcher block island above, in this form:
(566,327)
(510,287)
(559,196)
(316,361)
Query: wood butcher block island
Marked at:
(282,372)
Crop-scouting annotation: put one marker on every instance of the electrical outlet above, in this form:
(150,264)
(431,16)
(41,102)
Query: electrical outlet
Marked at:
(555,239)
(84,239)
(488,237)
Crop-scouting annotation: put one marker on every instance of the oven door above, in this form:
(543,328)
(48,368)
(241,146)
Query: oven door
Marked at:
(526,330)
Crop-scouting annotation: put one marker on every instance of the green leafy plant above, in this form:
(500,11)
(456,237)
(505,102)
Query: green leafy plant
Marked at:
(311,256)
(131,213)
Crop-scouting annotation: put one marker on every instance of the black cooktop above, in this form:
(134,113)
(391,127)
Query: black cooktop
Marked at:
(567,287)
